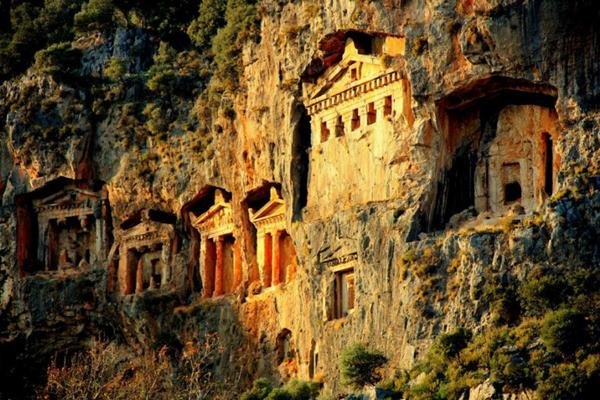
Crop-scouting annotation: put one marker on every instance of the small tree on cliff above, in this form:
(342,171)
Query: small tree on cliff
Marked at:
(361,366)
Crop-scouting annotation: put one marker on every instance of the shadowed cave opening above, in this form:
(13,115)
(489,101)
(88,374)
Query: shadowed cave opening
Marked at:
(301,144)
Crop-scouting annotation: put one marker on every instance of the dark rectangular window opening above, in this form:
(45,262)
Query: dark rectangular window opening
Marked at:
(355,120)
(344,293)
(512,192)
(387,106)
(339,126)
(371,113)
(324,132)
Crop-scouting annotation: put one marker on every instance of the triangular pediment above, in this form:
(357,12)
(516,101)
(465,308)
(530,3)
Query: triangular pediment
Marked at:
(148,231)
(350,71)
(342,252)
(271,209)
(220,211)
(353,68)
(68,196)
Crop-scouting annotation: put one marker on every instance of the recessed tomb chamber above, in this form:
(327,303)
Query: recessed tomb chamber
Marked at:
(498,150)
(220,253)
(146,246)
(63,226)
(275,252)
(358,99)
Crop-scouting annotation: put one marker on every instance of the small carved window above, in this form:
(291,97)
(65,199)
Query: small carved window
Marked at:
(339,126)
(355,119)
(387,106)
(344,293)
(324,132)
(371,114)
(354,74)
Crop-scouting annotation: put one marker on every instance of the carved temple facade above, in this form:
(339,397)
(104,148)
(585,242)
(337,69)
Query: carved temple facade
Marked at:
(275,250)
(63,225)
(500,138)
(353,106)
(146,245)
(220,255)
(521,165)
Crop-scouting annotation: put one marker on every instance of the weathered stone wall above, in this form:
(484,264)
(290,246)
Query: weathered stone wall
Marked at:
(449,45)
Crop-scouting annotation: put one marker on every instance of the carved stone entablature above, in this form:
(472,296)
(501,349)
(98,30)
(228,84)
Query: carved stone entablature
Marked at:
(270,216)
(147,232)
(337,257)
(217,220)
(327,100)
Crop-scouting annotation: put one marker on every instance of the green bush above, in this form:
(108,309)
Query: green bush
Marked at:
(94,15)
(542,291)
(563,331)
(58,59)
(302,390)
(259,391)
(563,383)
(450,344)
(361,366)
(293,390)
(242,25)
(115,68)
(211,17)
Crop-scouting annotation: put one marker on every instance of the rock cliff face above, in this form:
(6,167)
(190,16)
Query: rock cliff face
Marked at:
(407,208)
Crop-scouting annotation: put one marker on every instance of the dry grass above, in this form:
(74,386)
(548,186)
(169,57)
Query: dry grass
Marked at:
(110,371)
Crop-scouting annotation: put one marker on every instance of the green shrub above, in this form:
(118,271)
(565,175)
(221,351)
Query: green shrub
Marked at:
(94,15)
(302,390)
(450,344)
(542,291)
(242,25)
(563,331)
(563,383)
(211,17)
(361,366)
(58,59)
(259,391)
(115,68)
(293,390)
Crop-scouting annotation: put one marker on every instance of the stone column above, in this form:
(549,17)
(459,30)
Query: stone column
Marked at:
(165,261)
(208,267)
(219,267)
(42,250)
(139,276)
(276,258)
(267,253)
(52,245)
(237,264)
(260,254)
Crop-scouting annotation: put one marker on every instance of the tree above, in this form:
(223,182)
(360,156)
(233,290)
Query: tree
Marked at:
(361,366)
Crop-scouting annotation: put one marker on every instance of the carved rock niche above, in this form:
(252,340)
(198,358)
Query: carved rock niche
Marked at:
(220,254)
(146,245)
(275,251)
(63,226)
(499,149)
(354,101)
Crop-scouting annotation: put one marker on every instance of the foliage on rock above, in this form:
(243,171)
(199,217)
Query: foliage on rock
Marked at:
(361,366)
